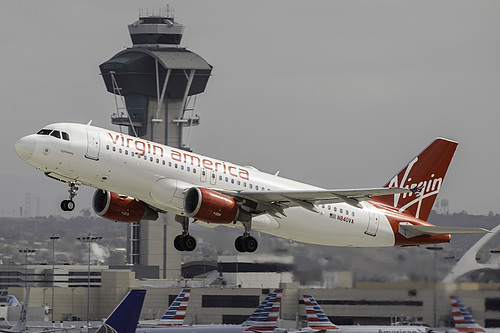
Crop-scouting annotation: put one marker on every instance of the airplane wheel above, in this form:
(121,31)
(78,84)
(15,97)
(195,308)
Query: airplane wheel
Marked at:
(70,205)
(189,243)
(67,205)
(239,244)
(178,243)
(251,244)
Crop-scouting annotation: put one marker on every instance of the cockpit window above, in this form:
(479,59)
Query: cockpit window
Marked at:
(54,133)
(44,131)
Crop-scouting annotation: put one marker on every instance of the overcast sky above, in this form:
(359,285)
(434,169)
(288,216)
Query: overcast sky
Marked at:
(339,94)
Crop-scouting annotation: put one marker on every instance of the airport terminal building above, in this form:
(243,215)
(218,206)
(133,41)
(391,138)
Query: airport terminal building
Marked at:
(228,296)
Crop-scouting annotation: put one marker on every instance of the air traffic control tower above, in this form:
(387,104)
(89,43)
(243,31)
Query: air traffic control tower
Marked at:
(157,80)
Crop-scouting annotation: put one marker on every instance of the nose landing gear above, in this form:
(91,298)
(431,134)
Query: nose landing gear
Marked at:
(69,205)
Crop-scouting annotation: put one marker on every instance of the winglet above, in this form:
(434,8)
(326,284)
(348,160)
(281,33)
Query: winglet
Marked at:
(125,316)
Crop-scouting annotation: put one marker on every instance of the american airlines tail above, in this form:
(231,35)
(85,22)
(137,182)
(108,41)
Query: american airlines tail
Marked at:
(316,317)
(265,317)
(462,317)
(425,173)
(176,312)
(125,316)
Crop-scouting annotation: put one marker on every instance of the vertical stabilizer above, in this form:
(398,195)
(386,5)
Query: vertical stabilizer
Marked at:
(176,312)
(462,317)
(125,316)
(265,317)
(20,326)
(426,173)
(316,317)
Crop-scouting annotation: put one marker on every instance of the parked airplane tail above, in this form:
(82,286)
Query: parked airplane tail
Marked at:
(20,326)
(265,317)
(125,316)
(425,173)
(176,312)
(316,317)
(12,301)
(462,317)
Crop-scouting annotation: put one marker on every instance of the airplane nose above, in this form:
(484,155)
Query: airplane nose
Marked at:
(25,147)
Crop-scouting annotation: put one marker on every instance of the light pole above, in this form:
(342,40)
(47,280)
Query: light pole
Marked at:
(26,251)
(435,249)
(88,240)
(53,238)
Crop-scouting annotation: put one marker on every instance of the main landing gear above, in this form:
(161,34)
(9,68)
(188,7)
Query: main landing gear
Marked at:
(184,242)
(69,205)
(246,243)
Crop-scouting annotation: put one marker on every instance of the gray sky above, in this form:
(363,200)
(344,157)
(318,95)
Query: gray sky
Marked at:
(339,94)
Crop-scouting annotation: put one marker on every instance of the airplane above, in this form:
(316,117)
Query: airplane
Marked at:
(136,179)
(125,316)
(319,322)
(464,322)
(263,319)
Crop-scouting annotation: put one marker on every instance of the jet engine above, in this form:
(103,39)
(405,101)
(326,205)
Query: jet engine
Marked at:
(121,208)
(213,207)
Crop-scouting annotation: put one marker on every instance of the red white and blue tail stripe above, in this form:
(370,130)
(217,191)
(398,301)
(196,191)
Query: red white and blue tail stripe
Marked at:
(175,314)
(462,317)
(316,317)
(265,317)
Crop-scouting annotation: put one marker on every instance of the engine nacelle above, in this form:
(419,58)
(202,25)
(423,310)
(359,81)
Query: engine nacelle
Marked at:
(213,207)
(121,208)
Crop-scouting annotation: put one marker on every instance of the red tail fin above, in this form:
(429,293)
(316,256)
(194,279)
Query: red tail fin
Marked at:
(425,172)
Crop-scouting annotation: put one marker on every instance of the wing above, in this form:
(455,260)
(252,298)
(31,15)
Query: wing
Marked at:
(409,230)
(274,202)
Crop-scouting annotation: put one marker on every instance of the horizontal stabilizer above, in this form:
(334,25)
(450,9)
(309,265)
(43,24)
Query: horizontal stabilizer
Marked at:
(409,230)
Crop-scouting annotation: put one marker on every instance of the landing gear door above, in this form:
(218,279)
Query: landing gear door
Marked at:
(373,222)
(92,145)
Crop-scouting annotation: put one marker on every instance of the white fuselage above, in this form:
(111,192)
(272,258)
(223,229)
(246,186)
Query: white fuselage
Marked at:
(151,172)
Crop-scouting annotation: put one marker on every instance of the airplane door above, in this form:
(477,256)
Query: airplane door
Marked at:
(373,222)
(203,175)
(92,145)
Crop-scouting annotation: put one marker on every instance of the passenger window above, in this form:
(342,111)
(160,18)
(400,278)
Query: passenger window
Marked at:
(126,152)
(65,136)
(56,134)
(232,181)
(256,187)
(107,147)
